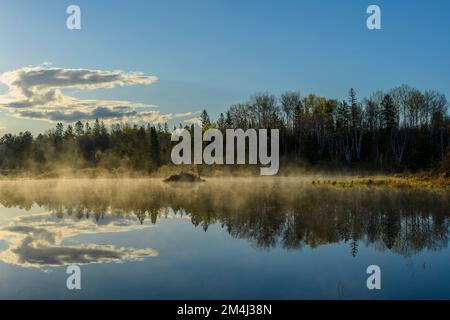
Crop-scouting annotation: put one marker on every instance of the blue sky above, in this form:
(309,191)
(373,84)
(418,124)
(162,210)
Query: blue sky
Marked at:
(211,54)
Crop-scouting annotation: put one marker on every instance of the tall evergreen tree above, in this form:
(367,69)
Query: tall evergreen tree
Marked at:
(389,113)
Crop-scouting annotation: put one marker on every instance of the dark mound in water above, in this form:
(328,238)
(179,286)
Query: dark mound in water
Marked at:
(184,177)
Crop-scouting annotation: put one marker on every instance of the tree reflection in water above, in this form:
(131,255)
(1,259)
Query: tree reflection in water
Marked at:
(274,212)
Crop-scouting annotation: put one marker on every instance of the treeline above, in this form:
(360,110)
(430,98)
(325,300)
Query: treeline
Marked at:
(402,129)
(82,145)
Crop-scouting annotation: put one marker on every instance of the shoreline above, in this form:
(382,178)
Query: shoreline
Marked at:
(340,181)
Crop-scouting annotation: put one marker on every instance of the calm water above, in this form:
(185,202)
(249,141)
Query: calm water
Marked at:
(234,238)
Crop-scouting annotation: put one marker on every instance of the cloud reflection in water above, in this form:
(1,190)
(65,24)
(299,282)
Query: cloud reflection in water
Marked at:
(37,241)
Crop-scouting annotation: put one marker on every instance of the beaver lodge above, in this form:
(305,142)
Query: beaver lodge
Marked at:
(184,177)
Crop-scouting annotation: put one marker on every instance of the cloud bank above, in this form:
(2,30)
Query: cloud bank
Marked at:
(39,93)
(38,241)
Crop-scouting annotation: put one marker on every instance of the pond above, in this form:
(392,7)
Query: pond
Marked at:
(233,238)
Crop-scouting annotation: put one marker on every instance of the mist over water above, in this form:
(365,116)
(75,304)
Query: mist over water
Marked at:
(99,222)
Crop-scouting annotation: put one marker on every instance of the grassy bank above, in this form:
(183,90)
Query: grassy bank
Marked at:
(397,181)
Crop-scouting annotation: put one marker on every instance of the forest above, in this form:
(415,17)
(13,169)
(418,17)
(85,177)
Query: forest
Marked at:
(401,130)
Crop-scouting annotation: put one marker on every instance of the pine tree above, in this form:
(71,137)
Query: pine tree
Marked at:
(205,118)
(155,146)
(96,129)
(228,121)
(389,113)
(343,116)
(79,128)
(354,108)
(221,122)
(68,134)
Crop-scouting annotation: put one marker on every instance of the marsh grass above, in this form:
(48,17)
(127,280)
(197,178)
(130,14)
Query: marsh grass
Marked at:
(419,181)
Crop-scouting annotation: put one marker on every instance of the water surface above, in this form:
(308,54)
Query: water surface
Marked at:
(274,238)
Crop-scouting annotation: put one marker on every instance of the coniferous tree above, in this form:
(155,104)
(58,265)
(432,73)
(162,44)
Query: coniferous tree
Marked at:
(389,113)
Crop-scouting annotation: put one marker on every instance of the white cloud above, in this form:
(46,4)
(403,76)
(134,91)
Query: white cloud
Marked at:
(38,93)
(194,120)
(182,115)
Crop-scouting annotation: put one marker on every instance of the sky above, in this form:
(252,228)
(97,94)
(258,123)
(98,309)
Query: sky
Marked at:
(143,60)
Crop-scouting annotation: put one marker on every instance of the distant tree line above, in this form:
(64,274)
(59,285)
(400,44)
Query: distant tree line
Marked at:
(83,145)
(402,129)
